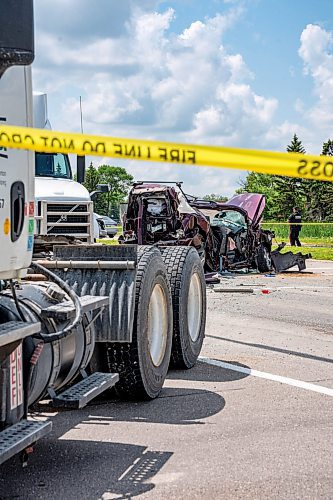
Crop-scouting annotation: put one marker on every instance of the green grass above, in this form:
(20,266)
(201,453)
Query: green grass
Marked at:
(108,241)
(319,253)
(112,241)
(322,242)
(321,231)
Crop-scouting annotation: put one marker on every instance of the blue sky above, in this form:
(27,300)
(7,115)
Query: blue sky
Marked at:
(245,73)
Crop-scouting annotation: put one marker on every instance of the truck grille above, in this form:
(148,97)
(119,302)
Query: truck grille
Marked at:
(67,231)
(67,219)
(68,207)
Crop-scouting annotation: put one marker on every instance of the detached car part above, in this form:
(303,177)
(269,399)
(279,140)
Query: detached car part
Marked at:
(284,261)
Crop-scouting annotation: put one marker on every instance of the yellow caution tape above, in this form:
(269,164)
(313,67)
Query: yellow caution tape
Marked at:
(267,162)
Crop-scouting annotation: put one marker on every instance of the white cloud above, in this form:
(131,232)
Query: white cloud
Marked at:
(138,79)
(316,53)
(197,180)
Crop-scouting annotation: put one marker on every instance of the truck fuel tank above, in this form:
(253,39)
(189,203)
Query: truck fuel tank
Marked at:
(61,361)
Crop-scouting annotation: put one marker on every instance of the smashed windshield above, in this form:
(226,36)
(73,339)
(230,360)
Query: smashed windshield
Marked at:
(52,165)
(231,219)
(156,207)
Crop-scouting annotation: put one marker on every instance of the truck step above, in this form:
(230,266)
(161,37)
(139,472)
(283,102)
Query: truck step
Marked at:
(84,391)
(20,436)
(13,331)
(66,310)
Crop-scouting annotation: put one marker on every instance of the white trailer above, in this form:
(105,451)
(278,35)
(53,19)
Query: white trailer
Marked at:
(92,316)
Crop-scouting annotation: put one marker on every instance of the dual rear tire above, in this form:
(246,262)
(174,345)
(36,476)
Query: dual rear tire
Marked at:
(188,289)
(169,321)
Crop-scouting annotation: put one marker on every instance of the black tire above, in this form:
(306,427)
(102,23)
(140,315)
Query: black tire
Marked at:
(264,261)
(139,377)
(182,264)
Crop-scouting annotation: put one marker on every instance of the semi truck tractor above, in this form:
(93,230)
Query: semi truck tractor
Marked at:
(63,206)
(85,318)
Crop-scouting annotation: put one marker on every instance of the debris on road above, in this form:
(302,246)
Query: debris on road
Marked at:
(240,289)
(284,261)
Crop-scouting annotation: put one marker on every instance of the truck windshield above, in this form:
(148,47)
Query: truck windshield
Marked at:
(52,165)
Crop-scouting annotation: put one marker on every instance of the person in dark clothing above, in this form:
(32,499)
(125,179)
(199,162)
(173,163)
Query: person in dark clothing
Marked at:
(295,220)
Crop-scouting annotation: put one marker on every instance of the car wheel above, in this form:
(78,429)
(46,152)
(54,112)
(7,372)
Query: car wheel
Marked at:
(188,290)
(264,261)
(143,364)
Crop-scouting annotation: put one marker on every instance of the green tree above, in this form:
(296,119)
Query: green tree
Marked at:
(262,184)
(92,178)
(119,181)
(327,148)
(282,193)
(291,191)
(320,193)
(295,146)
(215,197)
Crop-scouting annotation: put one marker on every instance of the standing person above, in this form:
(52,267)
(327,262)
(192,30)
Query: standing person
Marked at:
(295,220)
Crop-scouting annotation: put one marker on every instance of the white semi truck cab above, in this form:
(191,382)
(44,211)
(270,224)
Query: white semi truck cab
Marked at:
(63,206)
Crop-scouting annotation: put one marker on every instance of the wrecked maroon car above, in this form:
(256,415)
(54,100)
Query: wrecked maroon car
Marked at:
(235,227)
(238,239)
(228,235)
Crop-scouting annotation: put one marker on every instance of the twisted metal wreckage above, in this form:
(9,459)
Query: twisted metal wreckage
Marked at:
(227,235)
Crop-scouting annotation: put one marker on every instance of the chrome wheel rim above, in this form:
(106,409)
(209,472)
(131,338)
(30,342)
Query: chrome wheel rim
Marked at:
(194,307)
(157,325)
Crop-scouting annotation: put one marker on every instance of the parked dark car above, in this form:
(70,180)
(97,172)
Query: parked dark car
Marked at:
(227,235)
(101,226)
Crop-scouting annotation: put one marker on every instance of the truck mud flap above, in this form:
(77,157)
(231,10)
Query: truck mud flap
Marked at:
(106,271)
(284,261)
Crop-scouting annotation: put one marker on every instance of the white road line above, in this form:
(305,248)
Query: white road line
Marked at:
(269,376)
(129,468)
(320,268)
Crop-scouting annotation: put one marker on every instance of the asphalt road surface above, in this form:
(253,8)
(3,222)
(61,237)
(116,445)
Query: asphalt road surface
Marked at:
(253,419)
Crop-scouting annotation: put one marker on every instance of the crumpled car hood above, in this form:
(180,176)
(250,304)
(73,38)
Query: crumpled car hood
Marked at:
(252,203)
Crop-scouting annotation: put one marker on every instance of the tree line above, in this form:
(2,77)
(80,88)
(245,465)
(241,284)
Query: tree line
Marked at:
(120,182)
(313,198)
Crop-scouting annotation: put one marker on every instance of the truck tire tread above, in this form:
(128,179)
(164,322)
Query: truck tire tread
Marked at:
(138,377)
(184,352)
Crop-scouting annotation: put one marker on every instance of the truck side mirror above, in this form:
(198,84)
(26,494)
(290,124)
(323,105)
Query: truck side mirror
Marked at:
(103,188)
(81,169)
(17,33)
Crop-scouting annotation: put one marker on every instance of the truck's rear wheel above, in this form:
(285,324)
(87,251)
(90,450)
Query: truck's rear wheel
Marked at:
(188,291)
(143,364)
